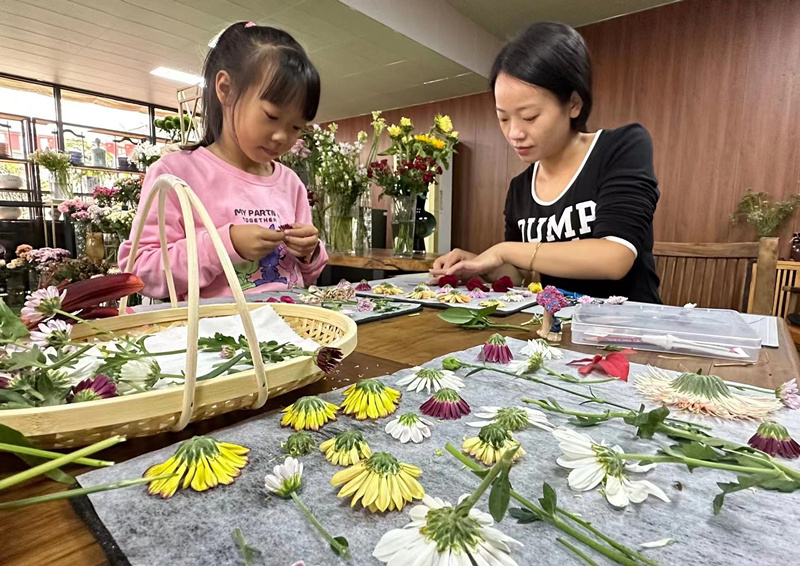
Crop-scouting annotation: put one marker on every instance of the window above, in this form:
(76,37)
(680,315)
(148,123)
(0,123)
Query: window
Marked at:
(27,99)
(92,110)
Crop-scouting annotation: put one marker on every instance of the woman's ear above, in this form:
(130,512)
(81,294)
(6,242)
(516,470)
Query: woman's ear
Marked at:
(575,105)
(222,85)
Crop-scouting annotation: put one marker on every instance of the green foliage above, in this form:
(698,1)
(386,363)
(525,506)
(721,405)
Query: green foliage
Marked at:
(9,435)
(468,318)
(523,515)
(765,216)
(11,327)
(500,494)
(647,423)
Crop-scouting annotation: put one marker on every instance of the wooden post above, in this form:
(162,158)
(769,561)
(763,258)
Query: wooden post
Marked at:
(766,273)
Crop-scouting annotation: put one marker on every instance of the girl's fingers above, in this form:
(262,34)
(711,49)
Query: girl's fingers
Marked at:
(301,231)
(301,241)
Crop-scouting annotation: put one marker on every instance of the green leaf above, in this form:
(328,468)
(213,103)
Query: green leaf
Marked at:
(11,327)
(486,311)
(587,421)
(457,315)
(550,501)
(500,495)
(523,515)
(342,550)
(473,372)
(647,423)
(8,396)
(9,435)
(25,360)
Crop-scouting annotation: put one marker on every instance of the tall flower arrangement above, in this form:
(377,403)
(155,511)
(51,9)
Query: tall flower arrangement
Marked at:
(57,163)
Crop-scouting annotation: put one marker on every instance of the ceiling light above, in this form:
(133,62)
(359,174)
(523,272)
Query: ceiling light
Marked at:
(178,76)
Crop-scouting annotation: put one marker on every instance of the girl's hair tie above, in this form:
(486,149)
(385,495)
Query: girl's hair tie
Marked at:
(249,25)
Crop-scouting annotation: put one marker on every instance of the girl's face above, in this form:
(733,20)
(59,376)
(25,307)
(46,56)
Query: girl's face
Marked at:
(262,130)
(534,121)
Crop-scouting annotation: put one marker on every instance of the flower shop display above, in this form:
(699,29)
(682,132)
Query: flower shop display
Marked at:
(299,443)
(409,427)
(492,442)
(418,162)
(370,398)
(171,126)
(144,154)
(380,483)
(431,378)
(346,448)
(58,164)
(445,403)
(774,439)
(200,463)
(309,413)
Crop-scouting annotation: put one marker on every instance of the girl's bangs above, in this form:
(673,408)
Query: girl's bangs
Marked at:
(289,80)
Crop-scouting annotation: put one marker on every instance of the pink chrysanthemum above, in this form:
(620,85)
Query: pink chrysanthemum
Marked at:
(495,350)
(99,387)
(788,394)
(42,304)
(445,404)
(774,439)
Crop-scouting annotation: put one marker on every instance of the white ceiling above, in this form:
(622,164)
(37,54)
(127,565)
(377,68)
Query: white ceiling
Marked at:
(110,46)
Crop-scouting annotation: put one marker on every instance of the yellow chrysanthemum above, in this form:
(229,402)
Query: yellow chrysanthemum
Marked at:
(200,463)
(422,292)
(443,123)
(454,298)
(387,289)
(535,287)
(309,413)
(394,131)
(370,398)
(492,303)
(406,123)
(346,448)
(431,141)
(381,483)
(491,443)
(453,135)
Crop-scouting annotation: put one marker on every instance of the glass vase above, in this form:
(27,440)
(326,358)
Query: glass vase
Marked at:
(402,218)
(59,187)
(362,237)
(94,246)
(111,247)
(341,233)
(15,288)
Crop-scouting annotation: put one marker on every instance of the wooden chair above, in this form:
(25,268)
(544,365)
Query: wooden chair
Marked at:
(718,275)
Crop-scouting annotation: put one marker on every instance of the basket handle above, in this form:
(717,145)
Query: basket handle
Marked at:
(190,204)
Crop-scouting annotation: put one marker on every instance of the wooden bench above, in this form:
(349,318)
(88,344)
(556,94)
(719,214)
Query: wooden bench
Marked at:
(718,275)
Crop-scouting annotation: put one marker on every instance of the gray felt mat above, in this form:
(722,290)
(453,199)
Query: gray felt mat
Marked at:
(755,527)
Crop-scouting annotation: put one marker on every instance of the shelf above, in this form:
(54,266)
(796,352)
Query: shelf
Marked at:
(106,169)
(107,132)
(13,160)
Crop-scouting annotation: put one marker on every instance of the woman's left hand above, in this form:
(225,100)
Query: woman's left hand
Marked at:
(488,261)
(301,240)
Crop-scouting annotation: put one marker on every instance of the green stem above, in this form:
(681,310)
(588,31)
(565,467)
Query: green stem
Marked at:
(223,368)
(508,327)
(494,471)
(700,463)
(14,449)
(77,492)
(746,387)
(246,550)
(59,462)
(341,550)
(568,379)
(579,553)
(69,358)
(94,327)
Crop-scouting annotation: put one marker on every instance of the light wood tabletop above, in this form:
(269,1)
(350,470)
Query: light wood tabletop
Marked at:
(384,260)
(53,534)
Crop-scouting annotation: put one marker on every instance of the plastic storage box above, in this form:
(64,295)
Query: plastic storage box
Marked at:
(712,333)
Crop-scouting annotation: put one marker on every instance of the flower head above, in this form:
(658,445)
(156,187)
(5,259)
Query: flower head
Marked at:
(422,292)
(513,296)
(503,284)
(440,535)
(431,141)
(286,299)
(476,283)
(522,367)
(541,346)
(454,298)
(450,280)
(365,305)
(445,404)
(615,364)
(286,478)
(788,394)
(42,304)
(140,373)
(308,413)
(551,299)
(585,300)
(704,394)
(344,291)
(380,482)
(774,439)
(364,286)
(452,364)
(299,443)
(429,378)
(443,123)
(53,333)
(535,287)
(615,300)
(22,250)
(477,294)
(227,352)
(200,463)
(370,398)
(491,443)
(512,418)
(387,289)
(495,350)
(394,131)
(453,135)
(492,303)
(328,359)
(100,387)
(409,427)
(593,463)
(346,448)
(406,123)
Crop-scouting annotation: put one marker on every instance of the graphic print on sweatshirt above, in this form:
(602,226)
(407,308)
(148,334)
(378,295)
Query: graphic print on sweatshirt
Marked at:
(572,223)
(272,268)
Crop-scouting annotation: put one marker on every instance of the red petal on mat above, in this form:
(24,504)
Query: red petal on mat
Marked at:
(616,365)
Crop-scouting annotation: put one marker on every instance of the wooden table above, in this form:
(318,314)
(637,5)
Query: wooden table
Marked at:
(384,260)
(52,534)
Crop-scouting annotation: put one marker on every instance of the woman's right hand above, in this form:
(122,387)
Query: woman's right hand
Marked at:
(448,260)
(252,242)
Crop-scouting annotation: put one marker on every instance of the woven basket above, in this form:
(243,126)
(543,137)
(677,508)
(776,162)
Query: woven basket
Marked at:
(155,411)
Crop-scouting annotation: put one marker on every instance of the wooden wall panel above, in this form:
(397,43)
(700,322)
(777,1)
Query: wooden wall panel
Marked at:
(717,84)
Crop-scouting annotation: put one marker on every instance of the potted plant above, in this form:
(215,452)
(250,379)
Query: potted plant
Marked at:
(57,163)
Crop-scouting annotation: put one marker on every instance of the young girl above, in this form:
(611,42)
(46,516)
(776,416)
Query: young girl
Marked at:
(581,214)
(260,91)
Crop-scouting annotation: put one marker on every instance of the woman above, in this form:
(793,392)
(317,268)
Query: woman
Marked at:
(581,215)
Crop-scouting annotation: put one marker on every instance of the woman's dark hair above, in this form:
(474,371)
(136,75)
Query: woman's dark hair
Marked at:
(254,54)
(552,56)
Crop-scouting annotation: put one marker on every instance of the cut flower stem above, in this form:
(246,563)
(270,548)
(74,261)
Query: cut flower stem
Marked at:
(340,549)
(14,449)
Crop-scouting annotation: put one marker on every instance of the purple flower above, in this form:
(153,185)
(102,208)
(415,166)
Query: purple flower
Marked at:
(444,289)
(496,350)
(53,333)
(365,305)
(585,300)
(445,404)
(774,439)
(551,299)
(227,352)
(477,294)
(329,358)
(363,286)
(42,304)
(99,387)
(4,379)
(788,394)
(43,256)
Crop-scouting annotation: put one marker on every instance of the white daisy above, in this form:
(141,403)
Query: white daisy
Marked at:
(286,478)
(530,365)
(139,374)
(513,297)
(449,539)
(53,333)
(542,347)
(512,418)
(409,427)
(426,378)
(593,463)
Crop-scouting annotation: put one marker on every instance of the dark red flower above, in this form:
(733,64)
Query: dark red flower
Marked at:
(284,299)
(476,283)
(503,284)
(448,280)
(329,358)
(614,364)
(100,387)
(774,439)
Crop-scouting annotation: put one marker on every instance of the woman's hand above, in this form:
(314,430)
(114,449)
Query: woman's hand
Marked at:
(448,260)
(252,242)
(301,240)
(467,267)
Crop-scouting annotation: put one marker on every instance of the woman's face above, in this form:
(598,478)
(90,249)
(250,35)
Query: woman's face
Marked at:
(534,121)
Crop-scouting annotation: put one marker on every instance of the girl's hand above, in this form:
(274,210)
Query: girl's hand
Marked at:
(448,260)
(488,261)
(301,240)
(252,242)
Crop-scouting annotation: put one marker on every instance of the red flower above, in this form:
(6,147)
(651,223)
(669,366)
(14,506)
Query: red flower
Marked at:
(448,280)
(284,299)
(476,283)
(503,284)
(614,364)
